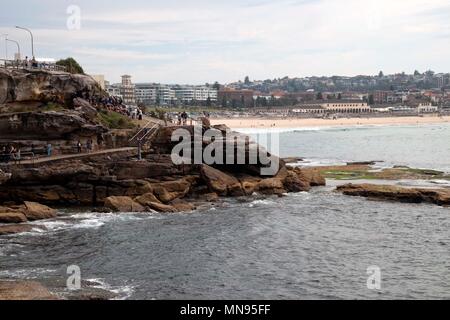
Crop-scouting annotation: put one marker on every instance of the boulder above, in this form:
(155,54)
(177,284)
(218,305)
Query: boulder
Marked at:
(182,206)
(35,211)
(123,204)
(24,290)
(271,186)
(293,183)
(171,190)
(249,183)
(160,207)
(12,217)
(311,176)
(209,197)
(220,182)
(146,199)
(14,229)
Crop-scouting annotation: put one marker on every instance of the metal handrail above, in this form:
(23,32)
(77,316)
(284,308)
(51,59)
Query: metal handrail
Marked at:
(143,128)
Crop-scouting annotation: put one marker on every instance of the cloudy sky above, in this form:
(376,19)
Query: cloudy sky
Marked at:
(199,41)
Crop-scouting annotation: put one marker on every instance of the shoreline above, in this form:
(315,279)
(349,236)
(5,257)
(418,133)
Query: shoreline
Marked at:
(271,123)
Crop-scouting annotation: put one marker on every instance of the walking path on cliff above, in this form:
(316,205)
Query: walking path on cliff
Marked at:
(77,156)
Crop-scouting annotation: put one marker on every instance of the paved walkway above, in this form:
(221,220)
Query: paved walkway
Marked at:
(75,156)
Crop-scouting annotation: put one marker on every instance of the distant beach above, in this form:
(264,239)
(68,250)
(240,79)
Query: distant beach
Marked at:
(257,122)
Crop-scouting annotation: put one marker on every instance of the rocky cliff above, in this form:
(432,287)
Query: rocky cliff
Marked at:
(28,86)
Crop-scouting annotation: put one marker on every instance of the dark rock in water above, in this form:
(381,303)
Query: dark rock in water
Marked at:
(14,229)
(395,193)
(363,163)
(24,290)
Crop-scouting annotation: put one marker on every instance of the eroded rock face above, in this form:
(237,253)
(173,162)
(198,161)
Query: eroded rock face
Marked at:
(395,193)
(44,86)
(14,229)
(62,125)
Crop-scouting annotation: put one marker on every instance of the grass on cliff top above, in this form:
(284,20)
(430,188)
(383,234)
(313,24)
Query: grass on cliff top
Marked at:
(114,120)
(357,172)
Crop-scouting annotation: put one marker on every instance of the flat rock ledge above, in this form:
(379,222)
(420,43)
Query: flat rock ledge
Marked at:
(439,197)
(24,290)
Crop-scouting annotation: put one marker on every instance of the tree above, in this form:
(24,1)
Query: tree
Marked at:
(71,65)
(339,96)
(371,100)
(416,73)
(216,86)
(381,74)
(208,102)
(319,96)
(247,80)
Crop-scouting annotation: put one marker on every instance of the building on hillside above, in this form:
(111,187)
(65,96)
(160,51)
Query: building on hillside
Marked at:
(231,97)
(187,93)
(114,90)
(127,90)
(100,79)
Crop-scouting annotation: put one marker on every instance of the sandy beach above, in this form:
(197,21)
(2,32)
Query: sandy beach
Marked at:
(239,123)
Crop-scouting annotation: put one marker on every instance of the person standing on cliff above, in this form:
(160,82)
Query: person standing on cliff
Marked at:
(79,145)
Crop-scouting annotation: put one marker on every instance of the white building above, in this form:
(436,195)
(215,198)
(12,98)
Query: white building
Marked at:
(127,90)
(195,93)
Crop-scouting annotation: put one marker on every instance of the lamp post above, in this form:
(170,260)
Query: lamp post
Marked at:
(17,44)
(32,39)
(6,46)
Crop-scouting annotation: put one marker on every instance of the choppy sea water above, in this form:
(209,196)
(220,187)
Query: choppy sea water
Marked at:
(314,245)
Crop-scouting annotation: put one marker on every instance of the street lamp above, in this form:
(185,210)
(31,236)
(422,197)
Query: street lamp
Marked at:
(17,44)
(32,39)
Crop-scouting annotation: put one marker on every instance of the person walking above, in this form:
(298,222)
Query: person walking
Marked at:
(49,150)
(79,146)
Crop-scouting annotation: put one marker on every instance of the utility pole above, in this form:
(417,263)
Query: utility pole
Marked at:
(32,39)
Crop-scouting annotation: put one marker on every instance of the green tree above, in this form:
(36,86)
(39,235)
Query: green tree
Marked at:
(247,80)
(216,86)
(71,65)
(416,73)
(371,100)
(319,96)
(381,74)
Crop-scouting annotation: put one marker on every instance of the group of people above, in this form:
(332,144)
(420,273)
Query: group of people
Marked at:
(10,153)
(182,118)
(89,147)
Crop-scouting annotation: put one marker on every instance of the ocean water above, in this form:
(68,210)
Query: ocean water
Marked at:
(316,245)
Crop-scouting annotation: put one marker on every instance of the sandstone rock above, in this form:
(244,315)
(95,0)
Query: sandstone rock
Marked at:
(182,206)
(293,183)
(396,193)
(44,86)
(160,207)
(249,183)
(12,217)
(171,190)
(209,197)
(146,199)
(123,204)
(14,229)
(24,290)
(271,186)
(311,176)
(220,182)
(35,211)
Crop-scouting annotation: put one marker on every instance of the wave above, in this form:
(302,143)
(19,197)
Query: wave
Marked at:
(123,292)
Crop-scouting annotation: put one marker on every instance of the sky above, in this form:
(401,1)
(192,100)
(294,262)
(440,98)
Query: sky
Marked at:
(199,41)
